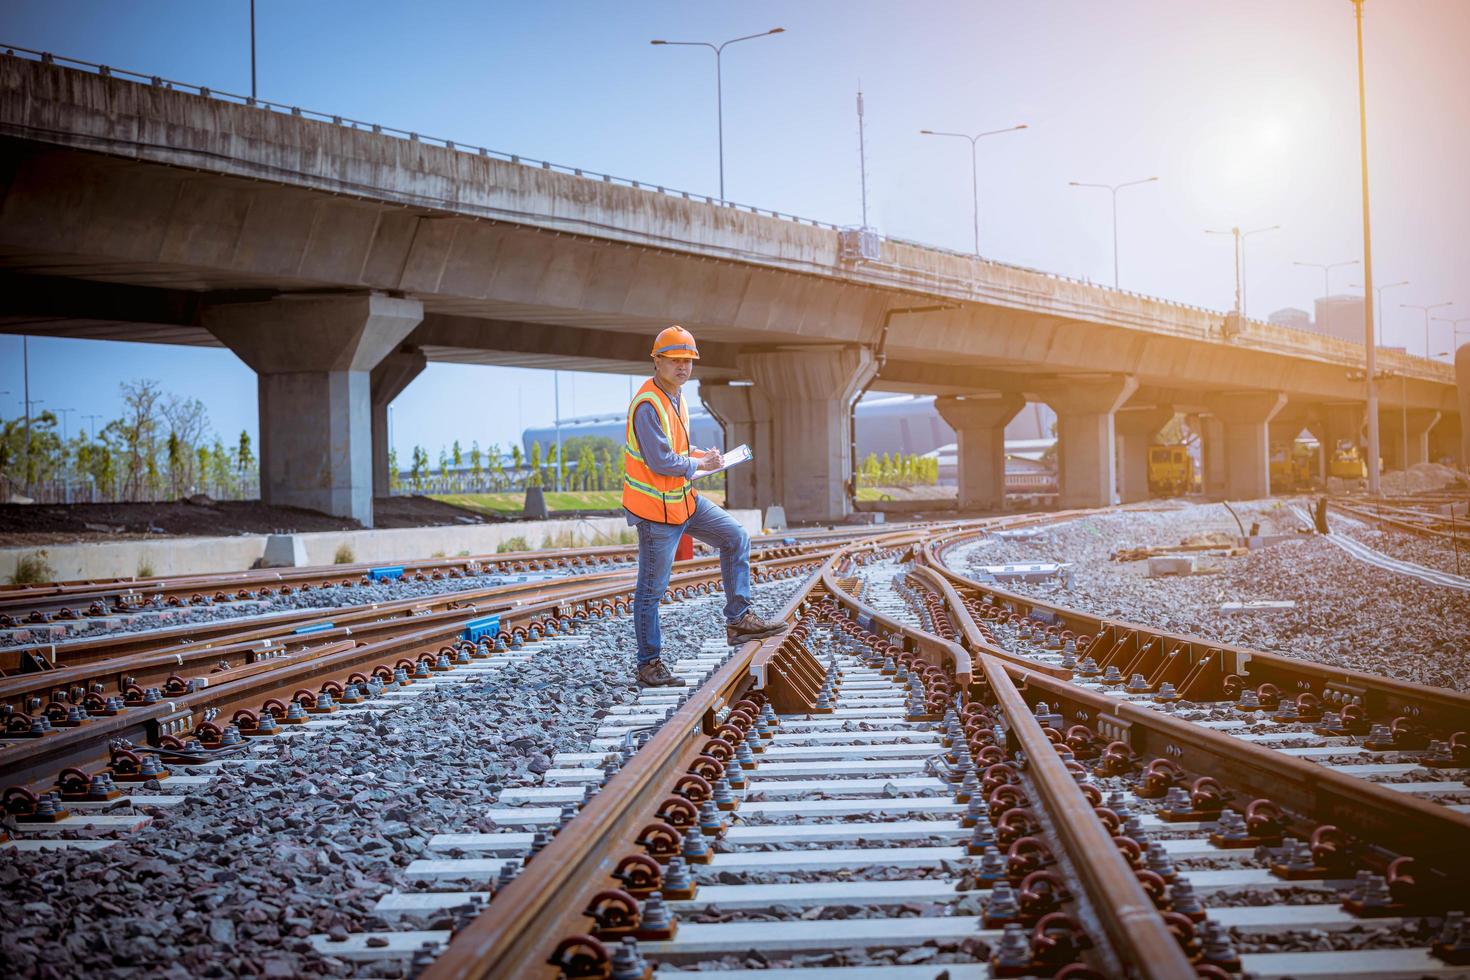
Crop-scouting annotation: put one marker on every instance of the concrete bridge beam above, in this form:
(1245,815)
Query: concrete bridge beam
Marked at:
(980,423)
(1246,417)
(1086,471)
(313,355)
(811,391)
(744,412)
(1135,429)
(387,381)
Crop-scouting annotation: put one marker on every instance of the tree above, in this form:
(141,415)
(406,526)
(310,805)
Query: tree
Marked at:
(220,475)
(201,471)
(475,457)
(420,467)
(139,433)
(515,459)
(455,455)
(443,464)
(870,470)
(585,466)
(393,478)
(188,421)
(534,479)
(244,457)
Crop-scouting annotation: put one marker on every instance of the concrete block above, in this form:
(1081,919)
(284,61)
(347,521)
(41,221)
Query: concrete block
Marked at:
(1258,541)
(1161,565)
(1269,607)
(776,518)
(283,551)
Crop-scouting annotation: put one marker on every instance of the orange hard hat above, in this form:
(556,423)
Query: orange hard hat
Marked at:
(675,341)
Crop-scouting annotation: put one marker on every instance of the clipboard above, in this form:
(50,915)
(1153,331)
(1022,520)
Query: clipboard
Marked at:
(734,457)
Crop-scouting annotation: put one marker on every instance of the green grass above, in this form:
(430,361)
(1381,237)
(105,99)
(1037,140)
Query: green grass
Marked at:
(503,504)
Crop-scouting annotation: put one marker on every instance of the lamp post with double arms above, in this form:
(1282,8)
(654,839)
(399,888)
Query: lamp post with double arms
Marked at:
(1113,189)
(974,169)
(1425,310)
(1326,268)
(1240,237)
(719,49)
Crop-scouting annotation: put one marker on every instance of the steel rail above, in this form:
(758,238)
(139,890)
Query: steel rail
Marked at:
(1382,697)
(516,934)
(30,760)
(1439,530)
(1140,940)
(74,593)
(1368,811)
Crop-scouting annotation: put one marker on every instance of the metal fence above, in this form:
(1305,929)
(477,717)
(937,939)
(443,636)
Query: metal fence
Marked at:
(87,491)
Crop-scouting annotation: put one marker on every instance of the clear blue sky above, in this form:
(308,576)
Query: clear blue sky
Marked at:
(1245,110)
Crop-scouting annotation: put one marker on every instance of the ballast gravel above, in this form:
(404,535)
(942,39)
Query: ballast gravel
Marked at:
(233,881)
(1347,613)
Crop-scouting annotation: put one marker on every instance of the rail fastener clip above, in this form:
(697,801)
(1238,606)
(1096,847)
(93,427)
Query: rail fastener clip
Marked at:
(475,629)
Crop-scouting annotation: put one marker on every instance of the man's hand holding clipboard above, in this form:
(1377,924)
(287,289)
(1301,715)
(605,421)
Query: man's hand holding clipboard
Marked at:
(712,461)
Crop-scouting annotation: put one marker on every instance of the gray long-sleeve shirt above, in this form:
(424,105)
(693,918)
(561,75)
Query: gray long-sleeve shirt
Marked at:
(654,446)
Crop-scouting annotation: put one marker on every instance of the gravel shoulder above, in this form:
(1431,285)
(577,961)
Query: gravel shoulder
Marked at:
(231,882)
(1347,613)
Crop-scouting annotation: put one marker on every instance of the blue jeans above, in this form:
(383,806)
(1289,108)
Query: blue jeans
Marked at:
(656,544)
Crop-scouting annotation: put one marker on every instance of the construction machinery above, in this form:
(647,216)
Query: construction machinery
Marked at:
(1291,467)
(1171,470)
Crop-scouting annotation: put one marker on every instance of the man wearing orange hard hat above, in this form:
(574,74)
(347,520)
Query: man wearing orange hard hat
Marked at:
(659,497)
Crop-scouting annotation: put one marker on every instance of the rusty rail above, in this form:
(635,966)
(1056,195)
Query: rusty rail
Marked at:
(1141,942)
(543,905)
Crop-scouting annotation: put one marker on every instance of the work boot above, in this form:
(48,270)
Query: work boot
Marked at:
(751,627)
(655,674)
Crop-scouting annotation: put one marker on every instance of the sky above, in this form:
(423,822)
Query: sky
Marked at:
(1246,112)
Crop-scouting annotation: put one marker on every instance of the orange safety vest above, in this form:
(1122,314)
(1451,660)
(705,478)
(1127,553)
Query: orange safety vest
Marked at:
(646,494)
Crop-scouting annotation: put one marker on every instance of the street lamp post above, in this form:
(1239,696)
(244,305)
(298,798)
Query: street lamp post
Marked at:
(1378,318)
(1425,310)
(1327,268)
(1370,383)
(974,171)
(718,49)
(1239,242)
(1113,189)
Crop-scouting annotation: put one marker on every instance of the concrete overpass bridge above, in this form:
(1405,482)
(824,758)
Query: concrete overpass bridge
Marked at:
(335,259)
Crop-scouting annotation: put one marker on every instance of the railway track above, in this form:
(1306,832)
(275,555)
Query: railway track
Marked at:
(933,776)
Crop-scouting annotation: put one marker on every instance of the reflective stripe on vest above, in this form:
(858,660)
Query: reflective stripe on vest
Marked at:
(646,494)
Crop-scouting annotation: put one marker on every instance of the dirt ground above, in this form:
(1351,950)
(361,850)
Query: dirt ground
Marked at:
(42,524)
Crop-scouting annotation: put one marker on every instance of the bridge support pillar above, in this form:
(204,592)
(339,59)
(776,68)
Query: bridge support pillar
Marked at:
(313,355)
(744,412)
(811,391)
(980,423)
(1420,422)
(1445,439)
(387,381)
(1086,471)
(1135,429)
(1246,417)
